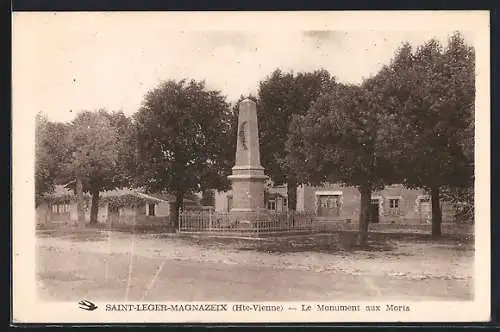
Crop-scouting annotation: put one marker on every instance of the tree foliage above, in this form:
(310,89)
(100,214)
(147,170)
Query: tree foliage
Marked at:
(433,89)
(101,153)
(344,138)
(50,154)
(281,96)
(182,134)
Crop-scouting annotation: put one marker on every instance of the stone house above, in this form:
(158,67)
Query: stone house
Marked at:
(119,206)
(333,202)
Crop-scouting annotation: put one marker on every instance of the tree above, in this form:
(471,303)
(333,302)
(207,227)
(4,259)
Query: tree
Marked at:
(100,155)
(434,89)
(50,154)
(182,134)
(281,96)
(345,138)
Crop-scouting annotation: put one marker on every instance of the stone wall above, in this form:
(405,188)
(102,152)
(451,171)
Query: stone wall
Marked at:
(163,209)
(102,214)
(221,203)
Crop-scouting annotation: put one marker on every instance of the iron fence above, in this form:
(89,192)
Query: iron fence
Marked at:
(259,223)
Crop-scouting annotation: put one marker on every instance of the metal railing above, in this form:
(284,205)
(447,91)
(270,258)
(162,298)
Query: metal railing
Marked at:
(258,223)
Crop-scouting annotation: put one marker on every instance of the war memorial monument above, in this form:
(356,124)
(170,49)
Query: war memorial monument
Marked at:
(248,178)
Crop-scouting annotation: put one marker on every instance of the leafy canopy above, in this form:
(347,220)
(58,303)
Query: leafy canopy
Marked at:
(280,96)
(433,90)
(182,134)
(344,138)
(100,150)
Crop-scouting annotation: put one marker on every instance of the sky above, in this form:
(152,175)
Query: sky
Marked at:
(65,63)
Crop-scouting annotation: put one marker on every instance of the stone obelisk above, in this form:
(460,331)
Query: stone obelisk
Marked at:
(248,175)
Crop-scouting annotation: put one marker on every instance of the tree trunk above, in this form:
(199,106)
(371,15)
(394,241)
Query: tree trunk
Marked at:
(436,212)
(364,214)
(179,199)
(80,201)
(94,209)
(292,192)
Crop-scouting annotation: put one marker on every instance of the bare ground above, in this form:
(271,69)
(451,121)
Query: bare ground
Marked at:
(116,266)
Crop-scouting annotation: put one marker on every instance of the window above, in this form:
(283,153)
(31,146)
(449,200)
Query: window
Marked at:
(151,209)
(271,205)
(285,203)
(64,207)
(394,206)
(329,204)
(113,209)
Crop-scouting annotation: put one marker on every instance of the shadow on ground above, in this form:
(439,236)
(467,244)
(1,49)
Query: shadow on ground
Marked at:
(331,243)
(327,242)
(98,232)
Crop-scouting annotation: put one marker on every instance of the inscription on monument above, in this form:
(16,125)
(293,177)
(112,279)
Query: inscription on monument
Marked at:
(243,134)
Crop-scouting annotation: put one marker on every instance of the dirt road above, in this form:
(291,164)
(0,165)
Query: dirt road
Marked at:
(119,267)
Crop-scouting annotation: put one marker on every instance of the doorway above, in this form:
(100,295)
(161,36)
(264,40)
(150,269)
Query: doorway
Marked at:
(425,210)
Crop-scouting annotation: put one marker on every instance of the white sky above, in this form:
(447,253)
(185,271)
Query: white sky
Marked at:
(76,61)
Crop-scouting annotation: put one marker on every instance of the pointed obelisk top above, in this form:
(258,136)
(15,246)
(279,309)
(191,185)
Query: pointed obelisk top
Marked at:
(247,148)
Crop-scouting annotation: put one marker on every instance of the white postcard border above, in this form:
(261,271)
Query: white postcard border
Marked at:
(28,308)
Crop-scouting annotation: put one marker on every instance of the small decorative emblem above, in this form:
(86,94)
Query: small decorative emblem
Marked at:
(87,305)
(243,134)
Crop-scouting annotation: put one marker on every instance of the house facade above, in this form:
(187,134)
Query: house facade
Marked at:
(334,202)
(120,206)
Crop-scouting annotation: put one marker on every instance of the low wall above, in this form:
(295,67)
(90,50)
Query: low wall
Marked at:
(149,220)
(140,224)
(141,220)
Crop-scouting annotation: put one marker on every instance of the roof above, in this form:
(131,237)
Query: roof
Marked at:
(60,191)
(169,197)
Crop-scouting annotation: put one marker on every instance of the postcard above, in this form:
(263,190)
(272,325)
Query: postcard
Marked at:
(237,167)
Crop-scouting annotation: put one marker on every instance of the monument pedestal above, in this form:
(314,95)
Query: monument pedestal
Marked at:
(248,198)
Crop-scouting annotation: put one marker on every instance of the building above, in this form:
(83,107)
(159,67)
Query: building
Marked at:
(119,206)
(275,199)
(394,204)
